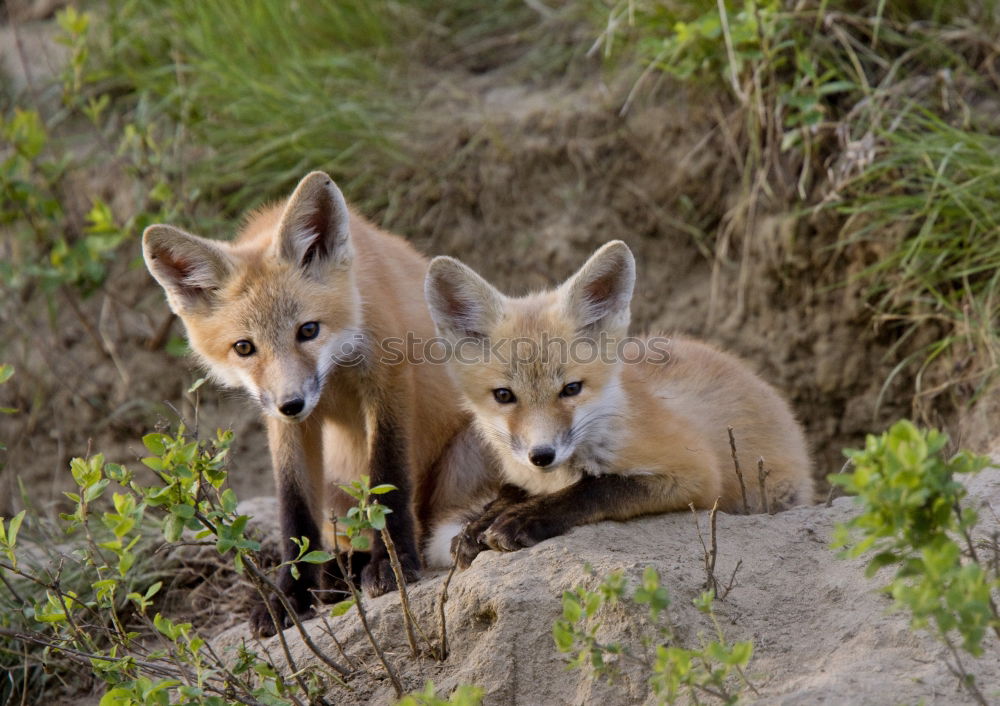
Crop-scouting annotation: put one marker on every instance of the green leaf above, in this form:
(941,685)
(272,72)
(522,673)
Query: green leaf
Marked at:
(317,557)
(184,511)
(228,500)
(95,491)
(341,607)
(156,443)
(361,542)
(382,489)
(562,633)
(6,370)
(572,609)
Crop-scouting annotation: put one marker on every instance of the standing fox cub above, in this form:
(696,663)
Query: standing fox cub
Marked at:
(292,311)
(585,429)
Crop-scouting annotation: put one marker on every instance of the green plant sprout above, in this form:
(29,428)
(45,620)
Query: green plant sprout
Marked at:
(673,670)
(912,518)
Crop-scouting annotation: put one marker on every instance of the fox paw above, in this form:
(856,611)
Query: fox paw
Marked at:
(261,622)
(466,546)
(378,577)
(516,529)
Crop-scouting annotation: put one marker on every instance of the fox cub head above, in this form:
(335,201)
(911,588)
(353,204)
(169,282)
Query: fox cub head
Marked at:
(275,310)
(540,372)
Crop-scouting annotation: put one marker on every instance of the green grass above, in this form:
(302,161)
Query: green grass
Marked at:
(932,203)
(261,92)
(907,79)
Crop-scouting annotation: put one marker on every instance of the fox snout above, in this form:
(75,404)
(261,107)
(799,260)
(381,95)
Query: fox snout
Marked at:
(292,407)
(289,407)
(291,403)
(542,456)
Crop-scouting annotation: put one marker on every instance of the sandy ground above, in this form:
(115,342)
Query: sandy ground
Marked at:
(822,632)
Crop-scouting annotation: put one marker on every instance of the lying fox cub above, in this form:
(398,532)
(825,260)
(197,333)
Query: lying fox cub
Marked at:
(591,426)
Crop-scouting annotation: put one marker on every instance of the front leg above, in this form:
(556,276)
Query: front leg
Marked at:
(591,499)
(468,543)
(390,464)
(294,484)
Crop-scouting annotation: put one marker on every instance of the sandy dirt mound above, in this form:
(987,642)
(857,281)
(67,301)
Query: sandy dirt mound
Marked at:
(822,633)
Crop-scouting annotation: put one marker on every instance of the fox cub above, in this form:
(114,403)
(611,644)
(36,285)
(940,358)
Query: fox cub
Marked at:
(292,312)
(588,430)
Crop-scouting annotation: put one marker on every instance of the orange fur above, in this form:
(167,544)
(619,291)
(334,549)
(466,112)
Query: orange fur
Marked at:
(310,259)
(662,420)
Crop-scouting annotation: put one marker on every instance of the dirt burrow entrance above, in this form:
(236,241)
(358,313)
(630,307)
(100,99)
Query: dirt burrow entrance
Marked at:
(522,181)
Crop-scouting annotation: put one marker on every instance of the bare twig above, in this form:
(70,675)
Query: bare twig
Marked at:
(442,623)
(732,580)
(84,320)
(256,571)
(12,590)
(833,488)
(328,629)
(996,554)
(255,577)
(258,576)
(975,557)
(404,599)
(739,473)
(159,337)
(762,474)
(709,553)
(356,595)
(963,676)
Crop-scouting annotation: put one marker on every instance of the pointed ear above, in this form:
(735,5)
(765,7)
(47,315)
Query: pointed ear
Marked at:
(461,302)
(315,226)
(190,269)
(599,294)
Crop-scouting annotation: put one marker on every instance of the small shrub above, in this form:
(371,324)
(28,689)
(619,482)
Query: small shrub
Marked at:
(913,519)
(674,670)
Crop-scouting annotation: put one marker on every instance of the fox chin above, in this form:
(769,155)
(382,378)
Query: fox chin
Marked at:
(584,432)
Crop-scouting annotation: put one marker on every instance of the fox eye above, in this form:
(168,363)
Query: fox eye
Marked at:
(244,348)
(571,389)
(308,331)
(504,395)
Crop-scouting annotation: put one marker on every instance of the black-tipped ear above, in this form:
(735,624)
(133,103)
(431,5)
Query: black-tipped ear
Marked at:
(315,226)
(600,293)
(190,269)
(460,301)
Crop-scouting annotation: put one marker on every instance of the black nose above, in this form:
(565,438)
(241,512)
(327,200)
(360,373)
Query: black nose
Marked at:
(542,456)
(292,406)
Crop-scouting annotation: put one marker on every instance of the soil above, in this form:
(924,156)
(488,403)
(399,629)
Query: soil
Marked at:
(523,179)
(822,633)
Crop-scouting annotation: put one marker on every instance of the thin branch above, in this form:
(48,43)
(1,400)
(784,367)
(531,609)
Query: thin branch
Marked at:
(739,473)
(732,580)
(13,591)
(833,487)
(964,678)
(975,557)
(303,633)
(404,599)
(159,337)
(396,685)
(260,575)
(281,635)
(442,622)
(709,554)
(762,474)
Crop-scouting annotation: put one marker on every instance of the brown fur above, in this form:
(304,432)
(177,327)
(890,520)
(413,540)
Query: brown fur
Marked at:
(310,259)
(640,437)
